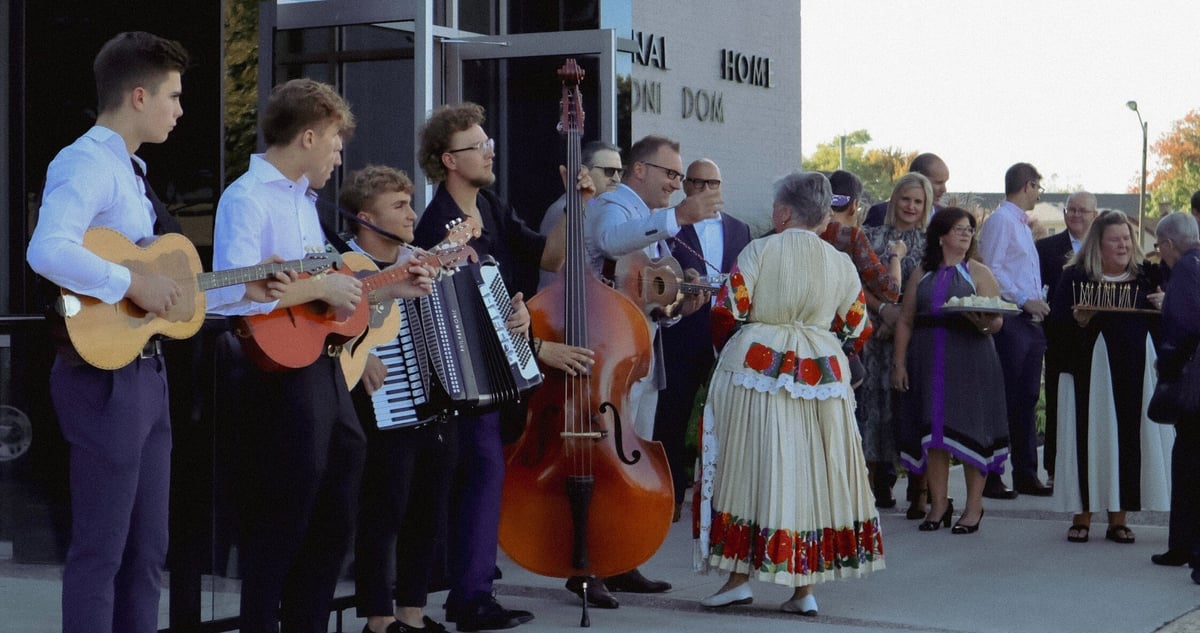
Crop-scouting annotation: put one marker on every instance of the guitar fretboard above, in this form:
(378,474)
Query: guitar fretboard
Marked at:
(235,276)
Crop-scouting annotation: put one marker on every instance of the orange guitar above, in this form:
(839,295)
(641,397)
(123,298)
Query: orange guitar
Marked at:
(656,285)
(294,337)
(110,335)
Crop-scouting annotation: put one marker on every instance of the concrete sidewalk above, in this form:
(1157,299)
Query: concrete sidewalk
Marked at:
(1018,573)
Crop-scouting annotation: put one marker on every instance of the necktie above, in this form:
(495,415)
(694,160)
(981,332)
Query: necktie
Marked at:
(164,222)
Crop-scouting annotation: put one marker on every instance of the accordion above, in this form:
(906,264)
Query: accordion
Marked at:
(460,338)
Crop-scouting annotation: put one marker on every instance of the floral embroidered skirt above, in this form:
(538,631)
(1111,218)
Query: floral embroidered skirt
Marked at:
(791,503)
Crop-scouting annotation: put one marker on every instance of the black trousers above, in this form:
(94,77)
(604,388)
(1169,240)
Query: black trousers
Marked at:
(301,452)
(403,509)
(1184,529)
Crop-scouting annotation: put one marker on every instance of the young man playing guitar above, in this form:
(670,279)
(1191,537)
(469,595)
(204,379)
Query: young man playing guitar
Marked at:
(302,448)
(117,422)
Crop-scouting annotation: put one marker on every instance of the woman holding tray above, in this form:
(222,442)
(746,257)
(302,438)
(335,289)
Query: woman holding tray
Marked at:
(1110,456)
(951,400)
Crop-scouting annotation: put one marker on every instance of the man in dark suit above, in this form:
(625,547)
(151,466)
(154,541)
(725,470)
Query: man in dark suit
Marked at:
(928,165)
(1053,253)
(710,247)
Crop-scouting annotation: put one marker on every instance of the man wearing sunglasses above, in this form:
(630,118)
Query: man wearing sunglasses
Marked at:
(710,247)
(637,216)
(603,162)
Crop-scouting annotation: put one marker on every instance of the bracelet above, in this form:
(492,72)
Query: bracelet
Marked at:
(984,330)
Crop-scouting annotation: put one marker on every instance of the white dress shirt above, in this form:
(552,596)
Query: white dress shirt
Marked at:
(1006,246)
(89,183)
(263,213)
(711,233)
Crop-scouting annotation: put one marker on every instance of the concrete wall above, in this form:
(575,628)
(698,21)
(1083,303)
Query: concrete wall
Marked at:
(754,134)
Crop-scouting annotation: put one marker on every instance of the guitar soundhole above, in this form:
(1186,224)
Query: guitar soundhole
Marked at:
(660,285)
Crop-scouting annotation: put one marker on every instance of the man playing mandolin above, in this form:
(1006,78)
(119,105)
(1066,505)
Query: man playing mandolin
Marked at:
(302,448)
(636,217)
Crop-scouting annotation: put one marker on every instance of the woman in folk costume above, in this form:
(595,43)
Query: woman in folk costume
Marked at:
(785,493)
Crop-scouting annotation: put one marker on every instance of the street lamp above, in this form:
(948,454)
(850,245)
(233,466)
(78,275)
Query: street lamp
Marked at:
(1132,105)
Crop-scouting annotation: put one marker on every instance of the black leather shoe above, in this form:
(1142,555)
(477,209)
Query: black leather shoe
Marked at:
(597,594)
(995,489)
(1034,488)
(633,581)
(1171,558)
(1196,575)
(429,626)
(489,616)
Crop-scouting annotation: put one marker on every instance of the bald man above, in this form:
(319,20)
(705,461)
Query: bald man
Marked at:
(709,247)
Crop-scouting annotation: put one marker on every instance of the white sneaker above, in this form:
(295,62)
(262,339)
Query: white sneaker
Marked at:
(804,606)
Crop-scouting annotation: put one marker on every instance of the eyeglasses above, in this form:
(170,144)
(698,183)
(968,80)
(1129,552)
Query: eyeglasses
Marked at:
(609,172)
(1038,185)
(1079,211)
(964,230)
(485,147)
(1158,245)
(671,173)
(704,183)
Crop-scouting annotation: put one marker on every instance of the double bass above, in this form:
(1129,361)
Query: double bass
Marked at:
(583,494)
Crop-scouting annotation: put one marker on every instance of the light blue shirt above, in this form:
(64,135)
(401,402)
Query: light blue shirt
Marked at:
(619,223)
(89,183)
(1006,246)
(262,213)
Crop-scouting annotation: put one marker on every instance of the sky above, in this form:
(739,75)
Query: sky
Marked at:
(985,84)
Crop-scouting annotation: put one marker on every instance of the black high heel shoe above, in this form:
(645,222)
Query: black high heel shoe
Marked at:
(946,518)
(959,528)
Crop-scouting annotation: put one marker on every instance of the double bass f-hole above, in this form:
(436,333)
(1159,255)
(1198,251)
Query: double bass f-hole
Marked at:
(619,435)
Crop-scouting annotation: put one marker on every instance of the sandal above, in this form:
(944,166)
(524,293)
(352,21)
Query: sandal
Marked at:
(1081,533)
(1119,534)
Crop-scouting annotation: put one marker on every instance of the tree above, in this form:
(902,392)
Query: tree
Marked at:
(877,167)
(1178,152)
(241,85)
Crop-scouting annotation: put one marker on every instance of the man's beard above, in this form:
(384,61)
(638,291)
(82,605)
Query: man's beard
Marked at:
(485,180)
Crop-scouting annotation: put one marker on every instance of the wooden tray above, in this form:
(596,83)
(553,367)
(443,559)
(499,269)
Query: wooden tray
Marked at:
(1080,306)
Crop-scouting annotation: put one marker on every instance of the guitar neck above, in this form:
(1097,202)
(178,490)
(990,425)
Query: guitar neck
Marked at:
(235,276)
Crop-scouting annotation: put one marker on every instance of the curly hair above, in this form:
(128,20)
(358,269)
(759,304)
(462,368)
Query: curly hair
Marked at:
(362,185)
(303,104)
(133,59)
(435,135)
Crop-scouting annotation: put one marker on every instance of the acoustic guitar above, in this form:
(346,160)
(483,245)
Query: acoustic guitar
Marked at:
(111,335)
(294,337)
(657,285)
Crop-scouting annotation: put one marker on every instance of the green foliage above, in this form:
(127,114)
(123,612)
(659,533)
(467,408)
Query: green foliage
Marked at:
(877,167)
(1179,153)
(241,85)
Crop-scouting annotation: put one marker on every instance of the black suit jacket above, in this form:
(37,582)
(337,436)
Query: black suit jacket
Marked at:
(1053,253)
(690,337)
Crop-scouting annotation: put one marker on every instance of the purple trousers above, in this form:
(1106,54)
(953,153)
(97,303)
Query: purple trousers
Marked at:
(118,426)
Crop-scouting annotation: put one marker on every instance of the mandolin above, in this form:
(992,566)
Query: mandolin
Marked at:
(111,335)
(294,337)
(657,285)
